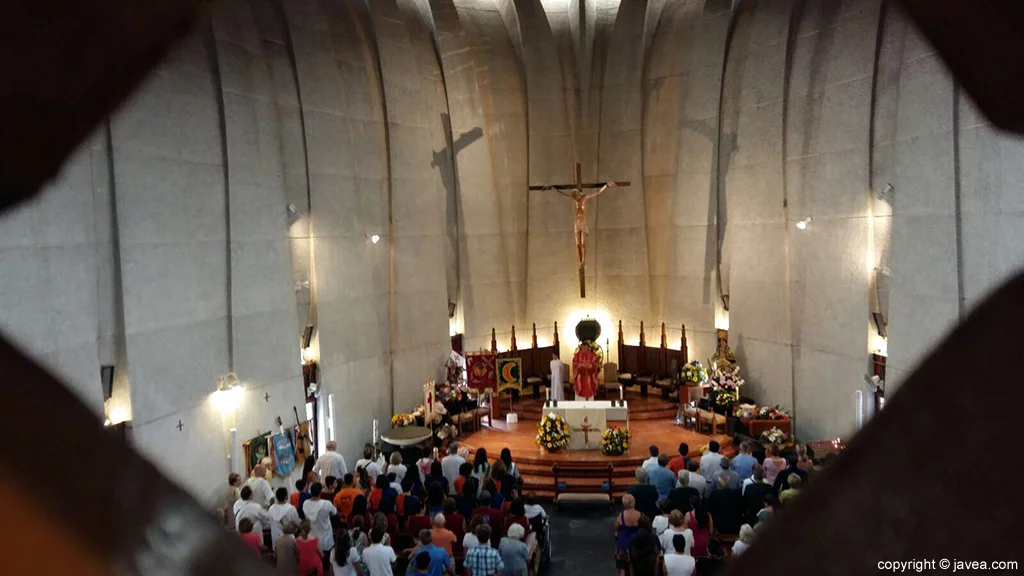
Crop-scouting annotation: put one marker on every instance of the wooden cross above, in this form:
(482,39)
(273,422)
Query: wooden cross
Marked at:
(266,397)
(579,198)
(180,426)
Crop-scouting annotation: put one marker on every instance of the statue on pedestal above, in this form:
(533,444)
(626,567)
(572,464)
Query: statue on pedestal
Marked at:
(723,361)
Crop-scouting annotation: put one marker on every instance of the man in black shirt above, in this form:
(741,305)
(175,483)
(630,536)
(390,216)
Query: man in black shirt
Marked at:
(782,480)
(646,496)
(680,497)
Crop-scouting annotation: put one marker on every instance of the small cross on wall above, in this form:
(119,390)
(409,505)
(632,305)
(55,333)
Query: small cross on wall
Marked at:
(266,397)
(179,426)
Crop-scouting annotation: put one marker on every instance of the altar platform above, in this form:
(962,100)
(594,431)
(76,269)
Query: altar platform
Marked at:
(535,464)
(650,407)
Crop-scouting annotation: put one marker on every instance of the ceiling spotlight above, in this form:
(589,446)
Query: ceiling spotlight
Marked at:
(293,209)
(884,191)
(374,238)
(107,422)
(802,224)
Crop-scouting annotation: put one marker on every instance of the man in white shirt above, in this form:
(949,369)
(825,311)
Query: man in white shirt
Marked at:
(319,512)
(711,463)
(680,563)
(532,508)
(280,512)
(651,462)
(262,493)
(450,465)
(557,377)
(696,481)
(379,559)
(330,463)
(246,508)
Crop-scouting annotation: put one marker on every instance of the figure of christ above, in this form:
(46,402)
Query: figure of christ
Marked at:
(579,198)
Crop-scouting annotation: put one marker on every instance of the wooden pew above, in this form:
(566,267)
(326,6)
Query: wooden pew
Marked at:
(602,493)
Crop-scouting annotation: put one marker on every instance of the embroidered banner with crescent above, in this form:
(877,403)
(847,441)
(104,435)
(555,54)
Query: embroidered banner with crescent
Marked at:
(510,373)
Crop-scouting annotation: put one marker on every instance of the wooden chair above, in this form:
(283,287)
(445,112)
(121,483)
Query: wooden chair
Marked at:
(610,379)
(710,420)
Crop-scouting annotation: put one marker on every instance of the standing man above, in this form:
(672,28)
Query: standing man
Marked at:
(330,463)
(663,480)
(711,463)
(557,377)
(678,464)
(262,493)
(246,508)
(450,465)
(743,463)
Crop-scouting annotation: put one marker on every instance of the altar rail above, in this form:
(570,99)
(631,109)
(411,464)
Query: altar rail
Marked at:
(536,369)
(645,365)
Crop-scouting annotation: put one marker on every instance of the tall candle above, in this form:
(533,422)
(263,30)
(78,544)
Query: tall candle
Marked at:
(376,430)
(621,393)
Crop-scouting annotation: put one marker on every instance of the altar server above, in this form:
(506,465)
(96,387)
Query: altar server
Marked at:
(557,377)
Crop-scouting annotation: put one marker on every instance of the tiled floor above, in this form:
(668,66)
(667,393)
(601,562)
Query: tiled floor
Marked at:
(582,542)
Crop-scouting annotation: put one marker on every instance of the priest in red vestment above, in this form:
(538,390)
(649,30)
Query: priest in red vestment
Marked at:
(585,367)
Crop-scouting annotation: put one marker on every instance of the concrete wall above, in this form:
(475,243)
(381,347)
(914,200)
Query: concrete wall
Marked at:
(167,247)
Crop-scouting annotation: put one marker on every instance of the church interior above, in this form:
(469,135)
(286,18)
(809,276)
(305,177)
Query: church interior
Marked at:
(585,231)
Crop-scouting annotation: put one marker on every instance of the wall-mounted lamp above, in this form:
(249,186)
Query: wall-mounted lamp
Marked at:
(293,210)
(304,285)
(374,238)
(883,271)
(228,395)
(802,224)
(885,191)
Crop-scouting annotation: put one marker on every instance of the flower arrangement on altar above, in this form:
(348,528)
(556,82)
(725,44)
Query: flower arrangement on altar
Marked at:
(447,431)
(403,420)
(552,432)
(772,413)
(693,374)
(725,386)
(615,441)
(775,436)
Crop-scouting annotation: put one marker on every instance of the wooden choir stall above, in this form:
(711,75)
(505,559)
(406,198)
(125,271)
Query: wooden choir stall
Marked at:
(650,366)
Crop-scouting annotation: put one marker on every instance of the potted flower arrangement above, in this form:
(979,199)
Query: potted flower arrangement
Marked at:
(615,441)
(402,420)
(693,374)
(725,390)
(775,436)
(552,432)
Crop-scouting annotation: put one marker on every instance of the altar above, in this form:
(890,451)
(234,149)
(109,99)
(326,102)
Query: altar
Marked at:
(588,419)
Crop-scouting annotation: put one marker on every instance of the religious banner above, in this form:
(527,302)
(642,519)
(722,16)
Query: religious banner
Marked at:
(284,453)
(255,450)
(481,371)
(509,372)
(303,443)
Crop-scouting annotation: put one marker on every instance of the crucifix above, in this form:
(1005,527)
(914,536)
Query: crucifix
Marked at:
(179,426)
(266,397)
(575,191)
(586,428)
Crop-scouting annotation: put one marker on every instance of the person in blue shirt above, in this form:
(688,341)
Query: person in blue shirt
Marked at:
(662,478)
(743,463)
(440,563)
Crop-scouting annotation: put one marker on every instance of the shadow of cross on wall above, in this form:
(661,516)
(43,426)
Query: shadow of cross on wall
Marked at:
(445,160)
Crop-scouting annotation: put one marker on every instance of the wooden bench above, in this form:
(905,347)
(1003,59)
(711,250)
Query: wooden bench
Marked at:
(602,494)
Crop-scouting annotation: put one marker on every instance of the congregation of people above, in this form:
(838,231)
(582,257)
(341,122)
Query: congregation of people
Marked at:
(687,516)
(440,515)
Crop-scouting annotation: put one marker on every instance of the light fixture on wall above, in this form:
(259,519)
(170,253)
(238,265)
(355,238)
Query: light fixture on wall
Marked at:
(293,210)
(883,271)
(374,238)
(228,395)
(802,224)
(885,191)
(304,285)
(107,423)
